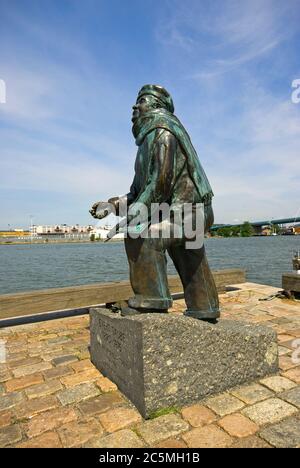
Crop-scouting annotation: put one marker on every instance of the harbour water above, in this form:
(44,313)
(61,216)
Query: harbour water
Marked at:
(43,266)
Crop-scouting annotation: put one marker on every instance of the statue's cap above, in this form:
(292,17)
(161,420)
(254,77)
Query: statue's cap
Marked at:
(160,93)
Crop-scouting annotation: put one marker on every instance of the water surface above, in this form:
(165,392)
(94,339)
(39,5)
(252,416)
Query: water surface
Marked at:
(42,266)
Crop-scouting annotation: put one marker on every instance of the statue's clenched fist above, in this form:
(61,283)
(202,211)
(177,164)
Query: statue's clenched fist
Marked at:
(99,212)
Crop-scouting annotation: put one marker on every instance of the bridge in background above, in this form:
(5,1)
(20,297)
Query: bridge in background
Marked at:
(257,225)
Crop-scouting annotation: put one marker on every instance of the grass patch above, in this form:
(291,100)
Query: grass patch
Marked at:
(164,411)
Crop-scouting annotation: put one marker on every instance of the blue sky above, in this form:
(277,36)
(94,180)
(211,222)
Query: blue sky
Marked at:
(72,71)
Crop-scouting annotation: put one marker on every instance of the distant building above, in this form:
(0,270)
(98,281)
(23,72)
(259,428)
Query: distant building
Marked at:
(266,230)
(289,231)
(102,232)
(14,233)
(60,230)
(297,229)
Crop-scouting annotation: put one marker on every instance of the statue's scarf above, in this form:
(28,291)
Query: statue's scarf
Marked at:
(161,118)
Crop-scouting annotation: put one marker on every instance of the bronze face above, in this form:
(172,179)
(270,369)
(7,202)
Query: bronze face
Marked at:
(144,104)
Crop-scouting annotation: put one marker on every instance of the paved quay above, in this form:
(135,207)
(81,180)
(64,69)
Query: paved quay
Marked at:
(52,396)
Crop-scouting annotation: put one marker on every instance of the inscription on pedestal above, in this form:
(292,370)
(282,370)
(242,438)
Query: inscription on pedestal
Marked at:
(112,343)
(115,350)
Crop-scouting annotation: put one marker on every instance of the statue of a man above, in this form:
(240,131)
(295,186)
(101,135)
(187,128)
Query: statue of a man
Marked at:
(167,170)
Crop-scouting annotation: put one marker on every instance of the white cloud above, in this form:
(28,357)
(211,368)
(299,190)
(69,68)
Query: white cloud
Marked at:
(217,37)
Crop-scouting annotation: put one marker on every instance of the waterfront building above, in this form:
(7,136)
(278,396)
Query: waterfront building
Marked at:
(15,233)
(60,230)
(101,233)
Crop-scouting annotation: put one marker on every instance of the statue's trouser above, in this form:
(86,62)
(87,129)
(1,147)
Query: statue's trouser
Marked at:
(148,275)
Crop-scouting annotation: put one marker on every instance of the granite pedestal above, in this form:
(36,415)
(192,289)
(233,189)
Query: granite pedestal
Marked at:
(164,360)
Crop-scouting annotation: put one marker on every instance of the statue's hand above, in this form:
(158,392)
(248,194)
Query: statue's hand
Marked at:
(93,211)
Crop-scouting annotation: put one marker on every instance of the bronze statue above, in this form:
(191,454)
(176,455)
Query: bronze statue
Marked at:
(167,170)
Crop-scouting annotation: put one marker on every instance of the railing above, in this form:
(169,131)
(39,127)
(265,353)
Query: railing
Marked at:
(77,299)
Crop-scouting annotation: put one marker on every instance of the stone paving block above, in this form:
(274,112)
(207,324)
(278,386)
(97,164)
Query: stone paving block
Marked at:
(269,411)
(49,420)
(101,404)
(5,375)
(81,377)
(49,356)
(63,360)
(163,427)
(84,354)
(76,433)
(58,372)
(80,366)
(32,369)
(285,434)
(12,357)
(10,400)
(5,418)
(252,393)
(282,351)
(283,337)
(28,409)
(171,443)
(198,415)
(75,343)
(25,362)
(10,435)
(23,382)
(46,440)
(59,340)
(224,404)
(292,396)
(293,374)
(250,442)
(119,418)
(18,349)
(106,385)
(238,425)
(286,363)
(290,344)
(48,336)
(277,383)
(77,394)
(121,439)
(46,388)
(207,437)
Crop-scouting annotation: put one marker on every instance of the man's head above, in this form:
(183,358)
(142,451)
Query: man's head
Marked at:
(152,97)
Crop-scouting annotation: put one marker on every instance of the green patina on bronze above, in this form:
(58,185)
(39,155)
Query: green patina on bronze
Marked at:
(162,118)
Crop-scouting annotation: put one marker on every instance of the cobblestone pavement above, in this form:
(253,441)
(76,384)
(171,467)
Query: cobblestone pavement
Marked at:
(52,396)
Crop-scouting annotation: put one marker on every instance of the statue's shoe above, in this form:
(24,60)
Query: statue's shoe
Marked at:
(207,316)
(128,311)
